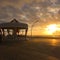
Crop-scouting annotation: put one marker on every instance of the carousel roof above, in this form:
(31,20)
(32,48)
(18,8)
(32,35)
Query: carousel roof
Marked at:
(14,24)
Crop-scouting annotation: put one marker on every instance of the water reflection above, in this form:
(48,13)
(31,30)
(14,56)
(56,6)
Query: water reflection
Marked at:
(55,42)
(52,42)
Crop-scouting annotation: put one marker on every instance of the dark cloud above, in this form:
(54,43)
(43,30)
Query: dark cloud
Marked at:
(16,3)
(58,2)
(4,16)
(14,8)
(46,3)
(13,1)
(9,11)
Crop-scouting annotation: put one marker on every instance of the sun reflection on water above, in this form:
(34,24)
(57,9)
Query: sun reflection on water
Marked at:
(54,42)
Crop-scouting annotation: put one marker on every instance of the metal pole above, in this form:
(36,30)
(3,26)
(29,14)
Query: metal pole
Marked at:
(31,32)
(32,27)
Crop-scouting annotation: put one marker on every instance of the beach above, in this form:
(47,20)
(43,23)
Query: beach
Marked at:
(31,49)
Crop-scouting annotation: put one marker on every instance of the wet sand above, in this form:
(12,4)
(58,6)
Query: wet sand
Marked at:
(31,49)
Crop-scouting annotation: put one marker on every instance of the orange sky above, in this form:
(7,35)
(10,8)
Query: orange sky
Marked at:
(38,13)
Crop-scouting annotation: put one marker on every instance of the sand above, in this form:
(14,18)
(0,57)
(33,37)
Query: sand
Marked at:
(35,49)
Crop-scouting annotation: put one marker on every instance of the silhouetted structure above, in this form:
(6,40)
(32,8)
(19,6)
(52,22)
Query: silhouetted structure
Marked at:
(0,37)
(14,28)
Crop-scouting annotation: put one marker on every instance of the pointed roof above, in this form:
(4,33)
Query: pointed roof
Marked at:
(14,21)
(14,24)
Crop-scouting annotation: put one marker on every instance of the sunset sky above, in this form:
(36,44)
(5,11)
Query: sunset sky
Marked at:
(36,13)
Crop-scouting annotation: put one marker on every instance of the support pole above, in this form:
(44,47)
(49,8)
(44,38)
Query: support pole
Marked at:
(26,33)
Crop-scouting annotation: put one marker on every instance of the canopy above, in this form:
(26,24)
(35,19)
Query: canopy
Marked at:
(14,24)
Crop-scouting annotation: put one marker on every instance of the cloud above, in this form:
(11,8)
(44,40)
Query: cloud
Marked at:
(16,8)
(4,16)
(16,3)
(9,11)
(58,2)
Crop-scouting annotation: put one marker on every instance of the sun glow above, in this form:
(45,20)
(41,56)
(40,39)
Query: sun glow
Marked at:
(50,29)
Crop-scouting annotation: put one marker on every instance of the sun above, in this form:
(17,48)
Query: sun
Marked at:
(50,29)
